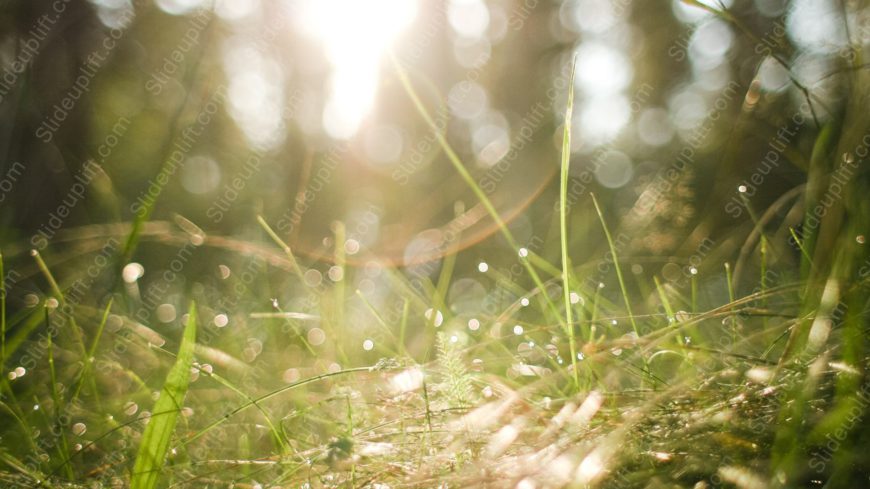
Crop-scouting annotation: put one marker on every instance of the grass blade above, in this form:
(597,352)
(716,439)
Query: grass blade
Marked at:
(158,433)
(563,227)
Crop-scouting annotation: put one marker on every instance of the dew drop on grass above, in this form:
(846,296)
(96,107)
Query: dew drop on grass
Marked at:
(473,324)
(132,272)
(51,303)
(438,317)
(77,447)
(693,271)
(291,375)
(130,408)
(518,330)
(614,322)
(523,252)
(335,273)
(221,320)
(524,301)
(224,271)
(194,374)
(483,267)
(742,189)
(351,247)
(860,239)
(187,411)
(368,345)
(575,298)
(79,429)
(316,336)
(313,277)
(31,300)
(20,372)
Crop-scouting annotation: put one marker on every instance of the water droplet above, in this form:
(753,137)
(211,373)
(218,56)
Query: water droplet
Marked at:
(221,320)
(77,447)
(742,189)
(454,339)
(351,247)
(291,375)
(31,300)
(224,271)
(860,239)
(187,411)
(335,273)
(368,345)
(130,408)
(524,301)
(51,303)
(487,392)
(600,285)
(207,368)
(132,272)
(313,277)
(575,298)
(693,271)
(20,371)
(483,267)
(438,317)
(36,407)
(523,252)
(473,324)
(580,356)
(614,322)
(518,330)
(79,429)
(316,336)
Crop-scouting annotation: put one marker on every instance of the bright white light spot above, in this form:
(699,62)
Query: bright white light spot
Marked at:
(179,7)
(132,272)
(355,35)
(483,267)
(602,118)
(518,330)
(473,324)
(742,189)
(469,18)
(574,298)
(523,252)
(221,320)
(368,345)
(524,301)
(408,380)
(601,70)
(590,468)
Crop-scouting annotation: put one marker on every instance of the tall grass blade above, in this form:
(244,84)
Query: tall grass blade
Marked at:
(158,433)
(563,227)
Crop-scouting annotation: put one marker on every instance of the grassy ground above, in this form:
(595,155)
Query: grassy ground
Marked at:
(728,368)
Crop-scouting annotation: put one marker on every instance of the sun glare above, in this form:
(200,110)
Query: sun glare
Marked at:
(355,36)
